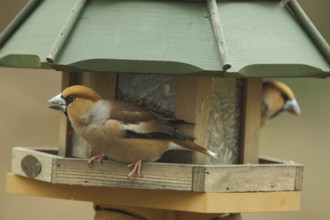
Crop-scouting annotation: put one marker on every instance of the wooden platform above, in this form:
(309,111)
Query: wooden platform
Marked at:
(159,199)
(270,177)
(180,187)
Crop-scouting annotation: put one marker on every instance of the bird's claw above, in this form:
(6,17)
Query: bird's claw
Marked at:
(136,168)
(98,158)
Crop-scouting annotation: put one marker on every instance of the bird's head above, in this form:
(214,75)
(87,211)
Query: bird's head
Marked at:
(74,101)
(278,97)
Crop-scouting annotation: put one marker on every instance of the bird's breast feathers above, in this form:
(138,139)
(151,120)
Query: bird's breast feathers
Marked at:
(94,115)
(100,112)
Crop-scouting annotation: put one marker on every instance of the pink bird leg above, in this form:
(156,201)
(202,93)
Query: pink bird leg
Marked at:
(98,158)
(136,168)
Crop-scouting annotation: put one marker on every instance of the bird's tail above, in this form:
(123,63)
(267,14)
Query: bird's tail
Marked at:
(188,144)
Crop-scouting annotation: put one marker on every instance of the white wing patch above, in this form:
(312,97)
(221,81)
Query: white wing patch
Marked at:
(137,128)
(174,146)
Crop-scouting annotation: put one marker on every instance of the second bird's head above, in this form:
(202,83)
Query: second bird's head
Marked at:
(277,98)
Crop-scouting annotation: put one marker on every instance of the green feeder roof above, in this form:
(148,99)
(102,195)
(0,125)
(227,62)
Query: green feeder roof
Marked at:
(224,38)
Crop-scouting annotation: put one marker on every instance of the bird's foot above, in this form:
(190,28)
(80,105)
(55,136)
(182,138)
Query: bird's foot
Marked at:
(136,168)
(98,158)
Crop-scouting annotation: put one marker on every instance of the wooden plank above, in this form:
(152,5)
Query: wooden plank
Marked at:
(103,83)
(251,120)
(68,137)
(185,109)
(178,177)
(193,95)
(299,178)
(76,146)
(114,174)
(159,199)
(65,128)
(181,177)
(251,178)
(214,105)
(45,159)
(202,115)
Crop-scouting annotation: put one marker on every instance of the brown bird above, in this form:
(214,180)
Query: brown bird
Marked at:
(276,98)
(120,130)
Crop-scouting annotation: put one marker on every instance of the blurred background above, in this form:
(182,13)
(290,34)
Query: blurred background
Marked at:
(26,121)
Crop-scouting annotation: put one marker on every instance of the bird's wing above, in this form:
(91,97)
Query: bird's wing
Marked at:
(164,132)
(130,114)
(140,123)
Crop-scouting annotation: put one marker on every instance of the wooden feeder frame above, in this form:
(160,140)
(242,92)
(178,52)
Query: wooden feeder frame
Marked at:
(259,185)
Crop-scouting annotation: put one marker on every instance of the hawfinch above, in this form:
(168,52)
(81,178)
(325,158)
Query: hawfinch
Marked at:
(276,98)
(120,130)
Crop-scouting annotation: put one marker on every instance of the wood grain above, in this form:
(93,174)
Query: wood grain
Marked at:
(193,95)
(159,199)
(45,159)
(177,177)
(251,120)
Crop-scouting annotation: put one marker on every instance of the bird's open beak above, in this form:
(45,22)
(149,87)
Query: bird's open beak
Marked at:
(292,106)
(58,103)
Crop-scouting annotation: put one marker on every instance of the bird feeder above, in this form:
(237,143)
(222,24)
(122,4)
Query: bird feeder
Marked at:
(199,61)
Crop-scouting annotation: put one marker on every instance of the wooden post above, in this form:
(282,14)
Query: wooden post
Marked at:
(214,105)
(251,120)
(66,131)
(193,95)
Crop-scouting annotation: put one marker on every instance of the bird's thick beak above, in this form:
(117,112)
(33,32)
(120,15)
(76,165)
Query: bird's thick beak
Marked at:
(58,103)
(292,106)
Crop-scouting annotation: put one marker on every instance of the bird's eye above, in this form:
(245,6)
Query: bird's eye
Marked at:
(70,98)
(284,96)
